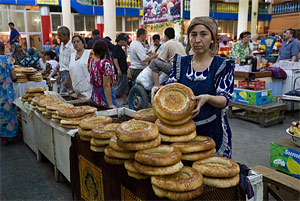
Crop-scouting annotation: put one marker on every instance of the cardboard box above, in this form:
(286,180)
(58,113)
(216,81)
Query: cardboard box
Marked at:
(251,97)
(285,156)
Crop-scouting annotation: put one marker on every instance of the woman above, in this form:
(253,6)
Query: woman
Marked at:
(241,49)
(42,61)
(8,111)
(211,79)
(102,77)
(79,72)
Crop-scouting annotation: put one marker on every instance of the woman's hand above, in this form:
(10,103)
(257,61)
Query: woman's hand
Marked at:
(200,100)
(112,106)
(153,92)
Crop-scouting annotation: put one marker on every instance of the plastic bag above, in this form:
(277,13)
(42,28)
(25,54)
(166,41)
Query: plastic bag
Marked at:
(145,78)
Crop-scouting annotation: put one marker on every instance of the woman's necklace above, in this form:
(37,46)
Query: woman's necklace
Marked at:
(79,54)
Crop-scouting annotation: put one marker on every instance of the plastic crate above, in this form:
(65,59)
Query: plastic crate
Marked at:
(258,85)
(256,180)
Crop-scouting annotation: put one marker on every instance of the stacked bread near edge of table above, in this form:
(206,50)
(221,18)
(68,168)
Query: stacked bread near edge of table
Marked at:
(218,171)
(54,107)
(40,103)
(32,92)
(25,74)
(71,117)
(88,130)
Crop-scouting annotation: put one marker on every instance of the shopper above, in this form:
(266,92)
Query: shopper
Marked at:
(52,66)
(14,36)
(212,80)
(47,46)
(164,62)
(18,54)
(156,47)
(290,47)
(241,49)
(8,110)
(138,56)
(65,50)
(79,70)
(32,60)
(120,62)
(55,48)
(42,60)
(96,37)
(102,77)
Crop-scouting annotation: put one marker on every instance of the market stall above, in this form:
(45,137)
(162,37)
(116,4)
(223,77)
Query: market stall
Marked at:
(92,178)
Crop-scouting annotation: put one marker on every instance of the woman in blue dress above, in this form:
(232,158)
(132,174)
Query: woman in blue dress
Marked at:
(8,112)
(212,80)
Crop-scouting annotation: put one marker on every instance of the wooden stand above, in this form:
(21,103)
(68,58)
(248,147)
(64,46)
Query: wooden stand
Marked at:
(281,182)
(263,110)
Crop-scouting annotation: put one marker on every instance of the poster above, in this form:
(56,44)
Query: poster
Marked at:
(157,11)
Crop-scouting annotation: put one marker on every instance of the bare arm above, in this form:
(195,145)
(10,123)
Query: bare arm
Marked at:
(117,66)
(107,91)
(294,58)
(278,58)
(149,58)
(13,74)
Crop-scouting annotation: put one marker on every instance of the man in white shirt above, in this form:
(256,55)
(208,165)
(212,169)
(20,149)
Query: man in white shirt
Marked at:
(138,56)
(65,51)
(164,62)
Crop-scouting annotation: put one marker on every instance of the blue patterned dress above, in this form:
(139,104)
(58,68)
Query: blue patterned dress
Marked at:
(8,112)
(216,80)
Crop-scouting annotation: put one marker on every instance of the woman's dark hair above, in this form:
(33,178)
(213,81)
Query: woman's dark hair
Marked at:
(11,23)
(170,33)
(100,48)
(244,34)
(81,38)
(156,37)
(2,47)
(51,54)
(213,46)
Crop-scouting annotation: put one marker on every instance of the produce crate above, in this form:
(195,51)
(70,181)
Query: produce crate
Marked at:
(252,97)
(256,85)
(285,157)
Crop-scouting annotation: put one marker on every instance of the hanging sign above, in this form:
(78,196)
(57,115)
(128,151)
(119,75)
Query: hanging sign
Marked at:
(48,2)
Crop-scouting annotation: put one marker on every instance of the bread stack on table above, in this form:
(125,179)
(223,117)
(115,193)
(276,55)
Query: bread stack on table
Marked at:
(32,92)
(25,74)
(137,144)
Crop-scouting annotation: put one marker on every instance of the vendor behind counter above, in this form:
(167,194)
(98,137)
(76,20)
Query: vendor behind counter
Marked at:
(241,49)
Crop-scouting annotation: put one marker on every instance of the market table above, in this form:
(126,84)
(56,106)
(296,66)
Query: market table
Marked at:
(93,179)
(263,114)
(20,88)
(47,138)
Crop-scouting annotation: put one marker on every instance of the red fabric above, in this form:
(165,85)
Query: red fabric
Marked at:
(100,69)
(100,27)
(46,28)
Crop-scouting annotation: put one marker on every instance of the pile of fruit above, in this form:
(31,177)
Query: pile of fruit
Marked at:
(295,128)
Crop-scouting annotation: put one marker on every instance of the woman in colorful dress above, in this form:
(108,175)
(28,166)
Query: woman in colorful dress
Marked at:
(212,80)
(102,77)
(241,49)
(8,111)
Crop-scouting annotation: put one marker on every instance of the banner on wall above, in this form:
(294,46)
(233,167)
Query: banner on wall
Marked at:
(48,2)
(157,11)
